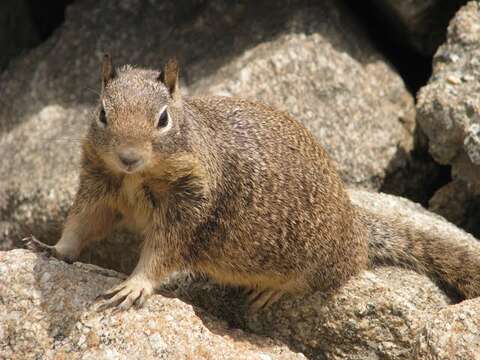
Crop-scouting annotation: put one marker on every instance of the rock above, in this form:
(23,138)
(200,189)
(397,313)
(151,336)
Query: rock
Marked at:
(40,315)
(17,29)
(458,205)
(46,312)
(419,179)
(450,201)
(376,315)
(448,108)
(318,64)
(453,333)
(420,23)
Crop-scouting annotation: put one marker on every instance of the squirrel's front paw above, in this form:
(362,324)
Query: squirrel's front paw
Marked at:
(133,291)
(35,245)
(31,243)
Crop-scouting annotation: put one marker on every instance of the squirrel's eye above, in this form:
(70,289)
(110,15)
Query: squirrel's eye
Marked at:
(102,117)
(163,119)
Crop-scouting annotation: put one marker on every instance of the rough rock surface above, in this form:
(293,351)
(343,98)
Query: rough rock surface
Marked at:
(46,312)
(448,108)
(376,315)
(455,202)
(316,62)
(453,333)
(46,307)
(421,23)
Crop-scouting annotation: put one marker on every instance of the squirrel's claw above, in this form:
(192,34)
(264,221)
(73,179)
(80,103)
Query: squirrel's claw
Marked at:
(37,246)
(132,292)
(110,293)
(31,243)
(261,299)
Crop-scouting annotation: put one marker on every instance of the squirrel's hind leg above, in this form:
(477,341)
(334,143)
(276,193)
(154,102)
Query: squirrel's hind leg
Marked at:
(260,299)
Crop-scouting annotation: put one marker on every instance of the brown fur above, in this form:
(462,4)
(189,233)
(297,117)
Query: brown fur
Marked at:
(453,262)
(234,189)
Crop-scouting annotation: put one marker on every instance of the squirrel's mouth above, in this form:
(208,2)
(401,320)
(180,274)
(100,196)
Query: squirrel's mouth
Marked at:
(132,168)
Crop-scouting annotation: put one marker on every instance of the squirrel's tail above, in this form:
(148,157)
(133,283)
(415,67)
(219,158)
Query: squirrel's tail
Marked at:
(404,234)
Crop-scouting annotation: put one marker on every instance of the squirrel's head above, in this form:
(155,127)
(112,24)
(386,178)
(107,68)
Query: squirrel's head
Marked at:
(138,118)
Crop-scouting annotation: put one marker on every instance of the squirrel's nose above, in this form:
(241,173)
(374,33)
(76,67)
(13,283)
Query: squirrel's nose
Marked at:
(129,158)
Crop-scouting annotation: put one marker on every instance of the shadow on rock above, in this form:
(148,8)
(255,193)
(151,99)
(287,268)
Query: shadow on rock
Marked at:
(229,305)
(415,175)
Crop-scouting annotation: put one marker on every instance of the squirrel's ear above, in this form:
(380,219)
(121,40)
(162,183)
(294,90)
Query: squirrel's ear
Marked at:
(108,71)
(169,76)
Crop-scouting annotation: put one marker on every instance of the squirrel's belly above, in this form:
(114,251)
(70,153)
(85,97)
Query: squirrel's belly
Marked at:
(251,280)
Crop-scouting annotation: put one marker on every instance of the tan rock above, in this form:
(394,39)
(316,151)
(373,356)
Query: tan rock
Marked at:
(453,333)
(374,316)
(448,110)
(46,313)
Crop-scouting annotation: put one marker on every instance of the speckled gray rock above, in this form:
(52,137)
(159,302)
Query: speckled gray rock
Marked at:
(46,312)
(46,309)
(312,60)
(455,202)
(448,108)
(421,23)
(453,333)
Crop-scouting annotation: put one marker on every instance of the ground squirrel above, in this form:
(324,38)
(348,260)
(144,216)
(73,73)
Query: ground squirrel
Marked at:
(233,189)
